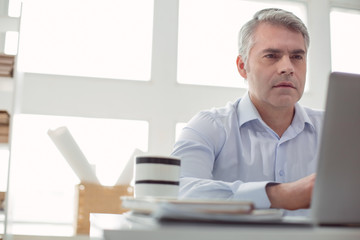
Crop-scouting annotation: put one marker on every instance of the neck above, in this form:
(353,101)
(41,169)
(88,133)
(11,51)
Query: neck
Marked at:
(278,119)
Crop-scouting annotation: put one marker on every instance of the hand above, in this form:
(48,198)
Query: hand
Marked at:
(293,195)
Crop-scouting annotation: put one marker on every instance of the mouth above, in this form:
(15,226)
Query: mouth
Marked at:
(284,85)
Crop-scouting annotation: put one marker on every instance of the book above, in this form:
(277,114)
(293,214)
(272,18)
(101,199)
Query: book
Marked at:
(201,210)
(7,59)
(4,139)
(2,200)
(6,71)
(181,213)
(4,129)
(4,117)
(6,65)
(149,205)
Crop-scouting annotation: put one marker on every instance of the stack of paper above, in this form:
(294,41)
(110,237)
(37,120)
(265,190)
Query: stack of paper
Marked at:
(201,210)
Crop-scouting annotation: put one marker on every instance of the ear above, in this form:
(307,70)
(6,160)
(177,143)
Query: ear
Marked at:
(241,66)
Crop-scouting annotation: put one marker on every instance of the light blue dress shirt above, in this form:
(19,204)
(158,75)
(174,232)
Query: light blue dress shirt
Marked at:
(231,153)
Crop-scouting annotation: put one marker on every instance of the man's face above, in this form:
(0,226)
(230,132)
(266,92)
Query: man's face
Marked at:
(276,68)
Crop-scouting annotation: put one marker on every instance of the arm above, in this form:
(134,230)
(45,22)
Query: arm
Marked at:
(198,149)
(293,195)
(207,188)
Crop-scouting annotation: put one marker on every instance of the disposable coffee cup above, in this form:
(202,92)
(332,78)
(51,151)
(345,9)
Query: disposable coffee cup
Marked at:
(157,176)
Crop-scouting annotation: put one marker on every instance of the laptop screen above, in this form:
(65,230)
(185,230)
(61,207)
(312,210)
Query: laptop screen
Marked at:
(336,197)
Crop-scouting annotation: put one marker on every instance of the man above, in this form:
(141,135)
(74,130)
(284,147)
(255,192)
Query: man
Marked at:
(262,147)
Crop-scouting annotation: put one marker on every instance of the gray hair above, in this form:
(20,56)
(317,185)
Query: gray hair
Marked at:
(273,16)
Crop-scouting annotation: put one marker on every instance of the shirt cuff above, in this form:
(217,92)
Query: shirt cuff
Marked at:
(255,192)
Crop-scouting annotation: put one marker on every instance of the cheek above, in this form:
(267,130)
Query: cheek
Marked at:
(301,69)
(302,78)
(257,84)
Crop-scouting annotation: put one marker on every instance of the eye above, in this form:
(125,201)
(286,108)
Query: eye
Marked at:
(271,55)
(297,57)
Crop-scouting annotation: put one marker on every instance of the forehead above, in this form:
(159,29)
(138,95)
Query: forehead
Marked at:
(269,35)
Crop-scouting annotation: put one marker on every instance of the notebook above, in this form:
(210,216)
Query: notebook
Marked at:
(200,210)
(336,195)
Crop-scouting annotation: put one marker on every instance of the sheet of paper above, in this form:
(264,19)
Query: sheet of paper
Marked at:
(203,210)
(128,172)
(151,204)
(168,211)
(68,147)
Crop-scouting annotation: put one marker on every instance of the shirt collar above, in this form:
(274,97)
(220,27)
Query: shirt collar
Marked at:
(301,118)
(248,112)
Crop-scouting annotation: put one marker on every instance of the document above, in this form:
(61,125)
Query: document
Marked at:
(76,159)
(207,210)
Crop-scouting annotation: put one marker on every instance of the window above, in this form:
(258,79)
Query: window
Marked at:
(107,39)
(14,8)
(45,191)
(11,40)
(344,40)
(4,160)
(207,47)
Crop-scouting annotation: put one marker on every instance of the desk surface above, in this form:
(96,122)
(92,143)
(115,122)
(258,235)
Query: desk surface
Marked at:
(116,226)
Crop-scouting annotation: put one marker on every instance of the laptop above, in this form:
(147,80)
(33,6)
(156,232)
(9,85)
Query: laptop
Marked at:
(336,195)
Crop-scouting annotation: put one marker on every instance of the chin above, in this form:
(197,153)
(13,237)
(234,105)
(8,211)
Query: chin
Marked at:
(286,102)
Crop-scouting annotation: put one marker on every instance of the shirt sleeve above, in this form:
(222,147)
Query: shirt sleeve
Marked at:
(198,146)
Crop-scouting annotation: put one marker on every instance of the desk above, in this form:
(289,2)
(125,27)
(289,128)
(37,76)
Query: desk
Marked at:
(117,226)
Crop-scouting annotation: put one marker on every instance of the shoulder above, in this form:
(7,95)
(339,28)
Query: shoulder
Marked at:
(214,124)
(314,113)
(218,115)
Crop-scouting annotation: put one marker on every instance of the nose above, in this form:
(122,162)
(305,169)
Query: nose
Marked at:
(285,66)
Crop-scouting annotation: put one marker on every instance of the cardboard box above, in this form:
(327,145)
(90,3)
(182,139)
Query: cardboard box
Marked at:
(93,198)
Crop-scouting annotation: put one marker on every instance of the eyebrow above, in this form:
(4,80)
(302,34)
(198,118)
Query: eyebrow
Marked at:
(275,50)
(298,51)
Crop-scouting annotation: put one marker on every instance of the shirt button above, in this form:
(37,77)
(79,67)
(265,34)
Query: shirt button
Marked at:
(281,173)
